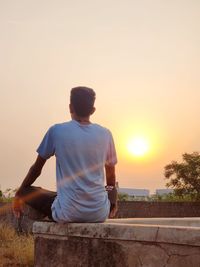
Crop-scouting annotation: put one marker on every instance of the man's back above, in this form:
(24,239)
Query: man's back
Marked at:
(81,153)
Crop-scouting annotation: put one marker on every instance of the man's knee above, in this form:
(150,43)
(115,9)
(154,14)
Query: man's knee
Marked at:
(27,190)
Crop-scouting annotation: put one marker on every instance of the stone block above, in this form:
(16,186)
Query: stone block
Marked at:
(115,243)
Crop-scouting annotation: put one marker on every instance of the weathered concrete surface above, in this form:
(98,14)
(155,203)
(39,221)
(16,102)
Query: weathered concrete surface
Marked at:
(116,244)
(186,221)
(86,252)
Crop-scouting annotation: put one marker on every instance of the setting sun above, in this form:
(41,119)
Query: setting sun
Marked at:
(138,146)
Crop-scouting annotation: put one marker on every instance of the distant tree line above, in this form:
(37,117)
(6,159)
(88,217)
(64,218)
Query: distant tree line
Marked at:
(170,197)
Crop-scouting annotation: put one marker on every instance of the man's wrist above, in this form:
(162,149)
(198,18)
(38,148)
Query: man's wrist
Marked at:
(112,194)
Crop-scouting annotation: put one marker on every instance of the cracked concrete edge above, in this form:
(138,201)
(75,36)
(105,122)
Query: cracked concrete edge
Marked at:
(134,232)
(186,221)
(114,232)
(98,230)
(50,228)
(179,235)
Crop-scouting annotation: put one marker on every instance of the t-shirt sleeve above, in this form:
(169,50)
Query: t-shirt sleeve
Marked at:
(111,157)
(47,147)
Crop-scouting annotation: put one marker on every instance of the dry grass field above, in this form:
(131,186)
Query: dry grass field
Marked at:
(15,250)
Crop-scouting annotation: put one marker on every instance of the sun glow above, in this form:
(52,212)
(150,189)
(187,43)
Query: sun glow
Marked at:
(138,146)
(139,142)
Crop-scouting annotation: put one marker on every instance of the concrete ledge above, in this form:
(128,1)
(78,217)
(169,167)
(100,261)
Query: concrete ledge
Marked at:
(185,221)
(148,230)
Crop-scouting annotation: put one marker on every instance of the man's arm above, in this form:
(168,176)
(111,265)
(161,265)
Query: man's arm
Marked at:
(112,191)
(110,175)
(30,178)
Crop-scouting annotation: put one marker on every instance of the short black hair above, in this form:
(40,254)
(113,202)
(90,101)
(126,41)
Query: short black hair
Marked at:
(82,99)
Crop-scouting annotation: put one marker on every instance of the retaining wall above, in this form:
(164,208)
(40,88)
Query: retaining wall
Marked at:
(145,209)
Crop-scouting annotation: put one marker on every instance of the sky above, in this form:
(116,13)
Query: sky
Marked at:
(141,57)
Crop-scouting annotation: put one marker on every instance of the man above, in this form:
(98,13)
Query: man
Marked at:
(83,151)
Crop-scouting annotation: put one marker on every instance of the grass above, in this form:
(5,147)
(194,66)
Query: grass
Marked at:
(15,250)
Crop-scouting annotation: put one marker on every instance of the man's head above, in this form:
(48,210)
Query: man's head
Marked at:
(82,101)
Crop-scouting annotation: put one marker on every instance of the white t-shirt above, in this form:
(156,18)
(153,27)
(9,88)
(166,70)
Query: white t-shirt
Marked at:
(81,153)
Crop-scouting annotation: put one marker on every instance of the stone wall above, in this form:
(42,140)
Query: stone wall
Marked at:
(84,252)
(115,244)
(24,224)
(144,209)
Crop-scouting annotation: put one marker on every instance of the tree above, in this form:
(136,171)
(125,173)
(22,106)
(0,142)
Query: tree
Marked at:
(184,177)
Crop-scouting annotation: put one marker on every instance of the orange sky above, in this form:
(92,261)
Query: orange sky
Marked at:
(141,57)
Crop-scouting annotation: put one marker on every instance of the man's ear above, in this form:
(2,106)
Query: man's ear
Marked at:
(93,110)
(71,109)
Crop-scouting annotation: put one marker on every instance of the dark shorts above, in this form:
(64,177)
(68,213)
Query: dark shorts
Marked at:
(40,199)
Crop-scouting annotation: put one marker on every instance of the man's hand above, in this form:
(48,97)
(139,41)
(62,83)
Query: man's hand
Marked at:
(17,206)
(112,196)
(113,211)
